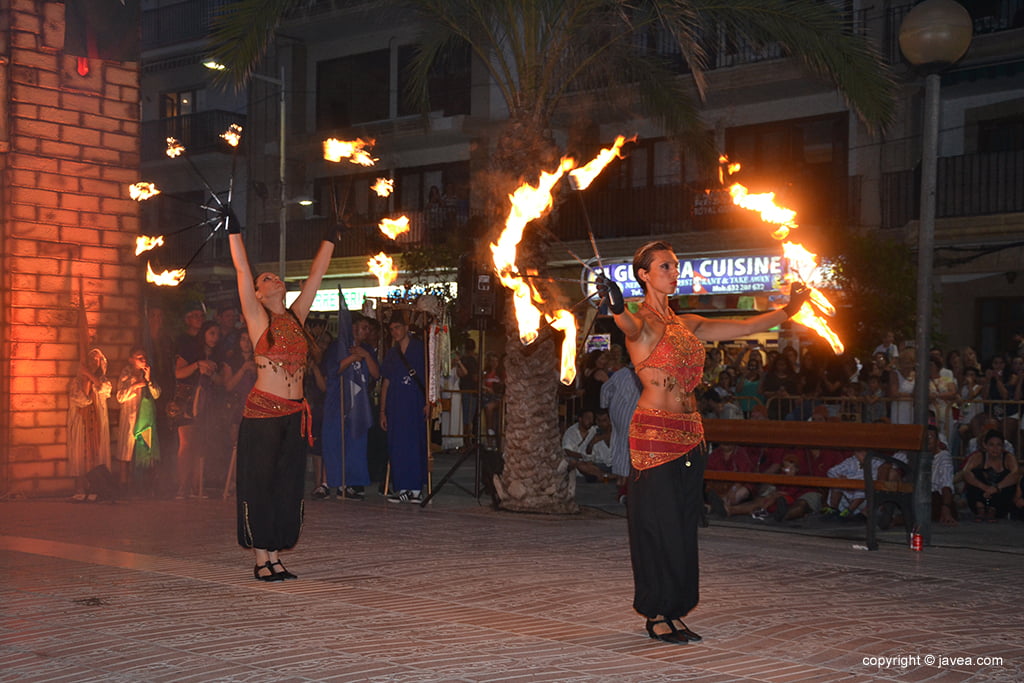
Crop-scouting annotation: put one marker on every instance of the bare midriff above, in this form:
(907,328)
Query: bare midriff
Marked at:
(662,391)
(275,379)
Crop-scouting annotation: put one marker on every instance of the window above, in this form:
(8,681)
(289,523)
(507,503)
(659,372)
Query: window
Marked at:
(1002,134)
(999,319)
(353,89)
(449,87)
(180,103)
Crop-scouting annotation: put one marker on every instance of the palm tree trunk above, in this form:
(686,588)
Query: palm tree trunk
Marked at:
(535,476)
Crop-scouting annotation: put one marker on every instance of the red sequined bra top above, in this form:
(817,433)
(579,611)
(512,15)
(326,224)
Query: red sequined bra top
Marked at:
(679,353)
(289,349)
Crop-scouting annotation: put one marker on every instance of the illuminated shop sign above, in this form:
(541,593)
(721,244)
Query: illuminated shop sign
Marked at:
(719,275)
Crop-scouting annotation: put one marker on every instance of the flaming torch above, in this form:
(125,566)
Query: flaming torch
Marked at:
(174,148)
(140,192)
(382,266)
(393,227)
(583,176)
(801,263)
(145,243)
(232,135)
(353,150)
(383,187)
(168,278)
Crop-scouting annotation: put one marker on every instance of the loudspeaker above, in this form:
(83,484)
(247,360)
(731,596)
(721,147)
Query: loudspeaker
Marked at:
(483,293)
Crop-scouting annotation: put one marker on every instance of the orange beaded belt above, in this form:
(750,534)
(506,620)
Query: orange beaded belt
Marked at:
(658,436)
(261,404)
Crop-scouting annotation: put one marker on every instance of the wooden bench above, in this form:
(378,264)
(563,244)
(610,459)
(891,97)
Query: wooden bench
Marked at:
(880,440)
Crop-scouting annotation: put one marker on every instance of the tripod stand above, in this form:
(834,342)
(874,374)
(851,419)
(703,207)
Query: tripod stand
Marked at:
(471,450)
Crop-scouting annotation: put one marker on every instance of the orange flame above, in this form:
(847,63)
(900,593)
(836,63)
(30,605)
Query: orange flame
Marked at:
(800,262)
(583,176)
(393,227)
(174,148)
(382,266)
(353,150)
(529,203)
(232,135)
(145,243)
(140,192)
(383,187)
(168,278)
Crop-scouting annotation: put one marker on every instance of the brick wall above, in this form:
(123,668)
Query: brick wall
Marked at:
(67,225)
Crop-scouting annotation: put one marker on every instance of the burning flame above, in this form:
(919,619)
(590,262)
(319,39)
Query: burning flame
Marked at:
(140,192)
(232,135)
(383,187)
(382,266)
(529,203)
(583,176)
(168,278)
(174,148)
(800,262)
(145,243)
(393,227)
(353,150)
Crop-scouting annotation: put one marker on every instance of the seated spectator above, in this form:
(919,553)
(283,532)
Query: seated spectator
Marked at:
(721,495)
(943,504)
(1017,512)
(596,464)
(784,502)
(990,479)
(847,502)
(984,424)
(577,437)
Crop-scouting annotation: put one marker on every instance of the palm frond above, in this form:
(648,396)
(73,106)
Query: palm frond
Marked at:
(240,35)
(821,37)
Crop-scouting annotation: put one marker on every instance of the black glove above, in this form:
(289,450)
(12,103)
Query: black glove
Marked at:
(231,220)
(609,290)
(332,233)
(799,293)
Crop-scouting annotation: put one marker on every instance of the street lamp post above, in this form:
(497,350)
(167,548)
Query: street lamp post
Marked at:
(282,215)
(933,35)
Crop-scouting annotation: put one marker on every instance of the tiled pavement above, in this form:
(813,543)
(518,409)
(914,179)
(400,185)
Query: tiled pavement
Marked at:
(158,591)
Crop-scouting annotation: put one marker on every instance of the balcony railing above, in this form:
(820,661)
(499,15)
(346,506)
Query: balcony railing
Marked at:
(179,23)
(199,133)
(967,185)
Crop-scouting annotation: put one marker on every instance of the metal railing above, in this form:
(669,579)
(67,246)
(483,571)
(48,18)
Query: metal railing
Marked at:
(968,185)
(178,23)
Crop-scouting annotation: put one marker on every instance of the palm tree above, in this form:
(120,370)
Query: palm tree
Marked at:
(547,57)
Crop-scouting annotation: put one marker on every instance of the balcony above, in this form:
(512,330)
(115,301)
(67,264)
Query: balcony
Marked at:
(183,22)
(199,133)
(968,185)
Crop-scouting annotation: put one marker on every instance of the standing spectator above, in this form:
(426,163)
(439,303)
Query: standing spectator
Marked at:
(351,373)
(941,394)
(403,412)
(493,388)
(619,395)
(888,346)
(748,385)
(955,363)
(88,420)
(970,358)
(138,442)
(779,386)
(228,347)
(901,389)
(238,382)
(971,406)
(468,368)
(595,374)
(194,318)
(198,378)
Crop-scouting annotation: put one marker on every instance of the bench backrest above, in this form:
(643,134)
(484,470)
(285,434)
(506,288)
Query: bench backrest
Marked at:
(838,435)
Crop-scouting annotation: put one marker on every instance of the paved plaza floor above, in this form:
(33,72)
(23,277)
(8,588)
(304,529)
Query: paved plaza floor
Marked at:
(144,590)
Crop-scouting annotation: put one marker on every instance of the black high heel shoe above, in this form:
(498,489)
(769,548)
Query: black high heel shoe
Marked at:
(685,631)
(672,636)
(272,576)
(284,573)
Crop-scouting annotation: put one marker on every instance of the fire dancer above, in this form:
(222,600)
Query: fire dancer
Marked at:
(667,450)
(276,421)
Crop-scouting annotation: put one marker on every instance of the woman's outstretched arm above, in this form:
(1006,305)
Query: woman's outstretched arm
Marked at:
(321,262)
